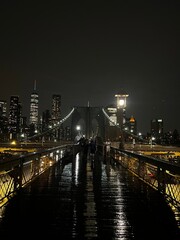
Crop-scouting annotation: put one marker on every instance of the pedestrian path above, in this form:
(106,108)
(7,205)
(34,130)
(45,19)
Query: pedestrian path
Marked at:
(88,200)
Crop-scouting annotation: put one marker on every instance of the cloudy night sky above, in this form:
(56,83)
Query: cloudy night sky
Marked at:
(91,50)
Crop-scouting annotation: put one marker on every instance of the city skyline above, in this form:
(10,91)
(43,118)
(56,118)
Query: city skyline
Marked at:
(87,53)
(57,97)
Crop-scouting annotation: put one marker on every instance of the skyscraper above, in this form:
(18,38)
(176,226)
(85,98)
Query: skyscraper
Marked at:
(34,105)
(3,108)
(157,127)
(56,115)
(14,120)
(56,108)
(3,120)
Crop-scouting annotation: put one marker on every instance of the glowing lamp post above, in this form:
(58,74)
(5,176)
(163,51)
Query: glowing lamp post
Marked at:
(78,127)
(78,136)
(121,107)
(121,103)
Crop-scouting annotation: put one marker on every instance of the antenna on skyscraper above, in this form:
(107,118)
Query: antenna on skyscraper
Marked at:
(34,85)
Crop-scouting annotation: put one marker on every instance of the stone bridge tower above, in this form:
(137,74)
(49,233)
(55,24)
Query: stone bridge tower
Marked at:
(91,121)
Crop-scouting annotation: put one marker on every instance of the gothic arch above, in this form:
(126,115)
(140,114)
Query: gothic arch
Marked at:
(92,121)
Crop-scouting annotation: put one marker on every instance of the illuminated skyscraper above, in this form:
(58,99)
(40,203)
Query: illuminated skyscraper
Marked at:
(34,105)
(56,116)
(56,108)
(3,108)
(121,108)
(157,127)
(3,120)
(131,125)
(14,120)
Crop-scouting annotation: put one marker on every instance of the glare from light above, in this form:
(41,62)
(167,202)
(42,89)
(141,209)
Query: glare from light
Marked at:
(77,159)
(78,127)
(121,102)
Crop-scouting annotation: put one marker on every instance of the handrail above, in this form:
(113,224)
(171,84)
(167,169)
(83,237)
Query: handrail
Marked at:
(170,166)
(17,172)
(162,175)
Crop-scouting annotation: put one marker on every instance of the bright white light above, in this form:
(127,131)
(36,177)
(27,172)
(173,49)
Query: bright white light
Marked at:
(77,159)
(78,127)
(121,102)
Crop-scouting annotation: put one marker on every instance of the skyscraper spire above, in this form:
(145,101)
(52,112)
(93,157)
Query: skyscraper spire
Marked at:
(34,107)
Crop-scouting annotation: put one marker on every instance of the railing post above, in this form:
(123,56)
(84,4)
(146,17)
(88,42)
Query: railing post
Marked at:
(161,180)
(21,173)
(16,174)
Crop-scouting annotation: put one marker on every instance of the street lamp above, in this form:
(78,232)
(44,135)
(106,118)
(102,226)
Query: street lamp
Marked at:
(78,136)
(78,127)
(121,108)
(121,100)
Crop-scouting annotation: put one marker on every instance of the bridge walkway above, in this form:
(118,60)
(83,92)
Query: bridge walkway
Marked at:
(85,199)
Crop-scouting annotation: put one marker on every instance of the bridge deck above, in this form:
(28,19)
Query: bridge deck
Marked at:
(88,201)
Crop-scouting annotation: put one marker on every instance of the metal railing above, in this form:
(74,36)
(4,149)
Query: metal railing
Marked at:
(162,175)
(17,172)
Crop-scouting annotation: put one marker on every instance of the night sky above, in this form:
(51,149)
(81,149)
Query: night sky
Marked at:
(91,50)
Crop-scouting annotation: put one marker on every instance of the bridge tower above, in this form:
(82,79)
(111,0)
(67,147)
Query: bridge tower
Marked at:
(91,120)
(121,115)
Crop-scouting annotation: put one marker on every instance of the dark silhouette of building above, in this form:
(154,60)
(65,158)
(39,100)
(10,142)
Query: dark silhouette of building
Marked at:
(14,119)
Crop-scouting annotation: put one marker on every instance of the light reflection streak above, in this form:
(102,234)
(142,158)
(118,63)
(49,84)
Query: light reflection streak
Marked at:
(90,212)
(120,221)
(77,159)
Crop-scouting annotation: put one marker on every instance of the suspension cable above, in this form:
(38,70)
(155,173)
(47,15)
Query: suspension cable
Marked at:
(55,127)
(125,131)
